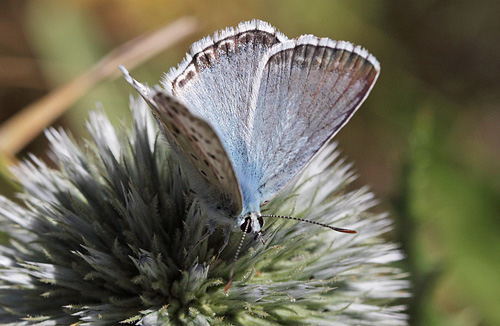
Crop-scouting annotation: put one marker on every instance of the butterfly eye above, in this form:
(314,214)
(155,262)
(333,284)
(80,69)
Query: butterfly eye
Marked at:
(261,221)
(247,225)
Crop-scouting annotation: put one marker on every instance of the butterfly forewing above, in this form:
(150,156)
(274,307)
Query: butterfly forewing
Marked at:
(308,90)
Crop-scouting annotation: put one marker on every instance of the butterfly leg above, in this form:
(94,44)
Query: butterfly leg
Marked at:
(211,228)
(226,240)
(258,236)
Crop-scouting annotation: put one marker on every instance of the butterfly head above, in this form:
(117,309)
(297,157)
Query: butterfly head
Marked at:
(252,222)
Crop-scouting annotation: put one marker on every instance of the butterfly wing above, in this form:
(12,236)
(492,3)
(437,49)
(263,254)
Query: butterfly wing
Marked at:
(307,91)
(208,167)
(271,104)
(215,81)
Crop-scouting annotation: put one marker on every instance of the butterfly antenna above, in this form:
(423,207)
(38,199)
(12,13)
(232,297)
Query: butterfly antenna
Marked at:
(228,285)
(312,222)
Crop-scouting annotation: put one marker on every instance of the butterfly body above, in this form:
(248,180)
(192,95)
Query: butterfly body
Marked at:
(248,109)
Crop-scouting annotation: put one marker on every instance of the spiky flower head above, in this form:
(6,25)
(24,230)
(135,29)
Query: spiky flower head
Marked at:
(114,235)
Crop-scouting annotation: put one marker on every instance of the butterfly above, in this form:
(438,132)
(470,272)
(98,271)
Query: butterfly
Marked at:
(248,108)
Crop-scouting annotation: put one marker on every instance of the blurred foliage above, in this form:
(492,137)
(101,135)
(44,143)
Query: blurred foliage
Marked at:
(52,27)
(427,139)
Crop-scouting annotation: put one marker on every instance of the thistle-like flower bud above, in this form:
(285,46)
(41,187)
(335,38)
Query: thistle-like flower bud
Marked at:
(115,235)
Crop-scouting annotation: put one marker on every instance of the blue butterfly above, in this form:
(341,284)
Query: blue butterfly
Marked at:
(248,108)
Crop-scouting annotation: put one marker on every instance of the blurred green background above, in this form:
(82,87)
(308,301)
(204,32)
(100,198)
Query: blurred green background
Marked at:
(427,140)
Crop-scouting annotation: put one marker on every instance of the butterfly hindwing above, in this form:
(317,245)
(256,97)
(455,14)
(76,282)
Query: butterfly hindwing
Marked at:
(307,91)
